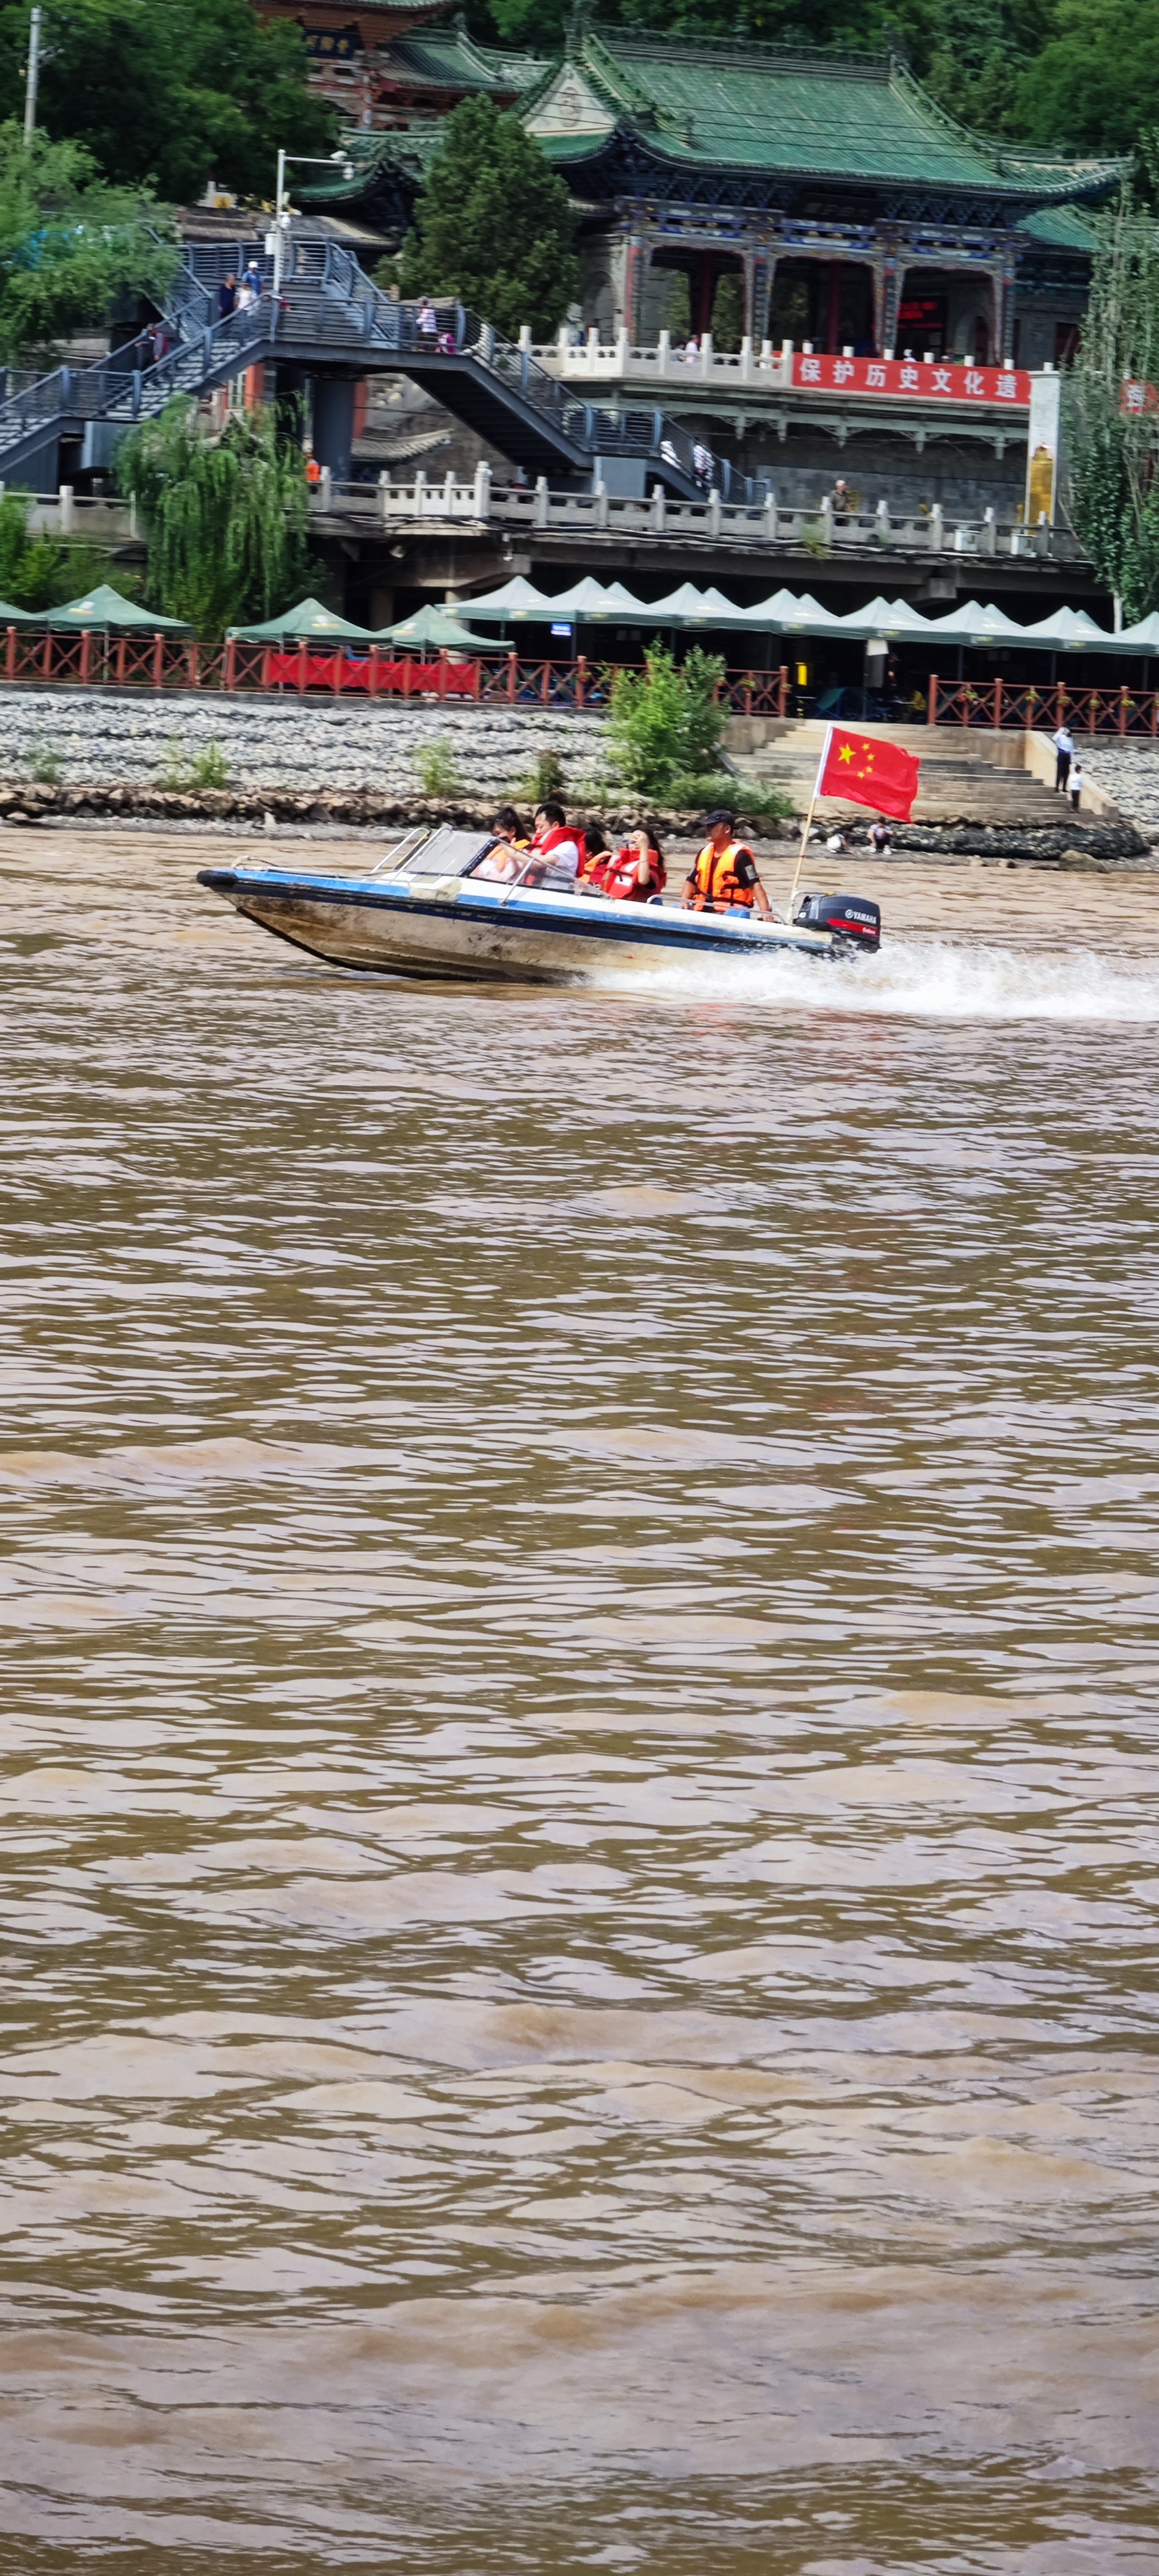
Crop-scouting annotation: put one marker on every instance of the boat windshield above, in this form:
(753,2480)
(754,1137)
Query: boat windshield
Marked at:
(448,853)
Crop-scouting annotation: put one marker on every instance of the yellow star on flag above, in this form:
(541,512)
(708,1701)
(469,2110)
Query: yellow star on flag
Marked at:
(846,751)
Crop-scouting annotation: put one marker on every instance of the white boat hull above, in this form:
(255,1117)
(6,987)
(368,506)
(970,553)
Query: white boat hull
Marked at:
(483,933)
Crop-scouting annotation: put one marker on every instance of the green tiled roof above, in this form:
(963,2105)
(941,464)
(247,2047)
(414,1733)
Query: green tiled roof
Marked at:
(766,108)
(411,149)
(447,58)
(1061,228)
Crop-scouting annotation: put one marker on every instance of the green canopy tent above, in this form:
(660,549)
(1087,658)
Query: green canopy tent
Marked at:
(517,598)
(788,613)
(433,630)
(309,622)
(12,616)
(107,609)
(1070,630)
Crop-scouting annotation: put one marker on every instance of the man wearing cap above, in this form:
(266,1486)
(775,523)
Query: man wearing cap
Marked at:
(723,876)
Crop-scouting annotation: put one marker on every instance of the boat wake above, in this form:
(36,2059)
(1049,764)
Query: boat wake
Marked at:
(925,978)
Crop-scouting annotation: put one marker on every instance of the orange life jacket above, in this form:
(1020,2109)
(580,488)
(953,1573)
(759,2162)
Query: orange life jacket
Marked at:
(620,878)
(715,879)
(551,839)
(592,866)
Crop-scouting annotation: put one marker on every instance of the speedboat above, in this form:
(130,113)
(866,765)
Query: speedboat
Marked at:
(424,910)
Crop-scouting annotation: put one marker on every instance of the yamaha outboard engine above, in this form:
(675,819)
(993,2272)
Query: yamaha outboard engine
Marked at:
(853,920)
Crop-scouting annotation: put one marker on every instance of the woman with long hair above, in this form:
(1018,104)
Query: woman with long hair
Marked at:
(639,872)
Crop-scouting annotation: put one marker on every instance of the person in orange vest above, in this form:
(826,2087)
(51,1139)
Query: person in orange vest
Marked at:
(313,469)
(595,858)
(639,871)
(723,876)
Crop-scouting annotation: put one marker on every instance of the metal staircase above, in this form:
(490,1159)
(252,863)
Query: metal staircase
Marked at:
(330,318)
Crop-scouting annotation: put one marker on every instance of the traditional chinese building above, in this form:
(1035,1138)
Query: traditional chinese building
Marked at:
(733,188)
(840,205)
(393,64)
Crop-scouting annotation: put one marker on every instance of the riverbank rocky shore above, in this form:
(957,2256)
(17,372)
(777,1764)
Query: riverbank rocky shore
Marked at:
(287,764)
(266,746)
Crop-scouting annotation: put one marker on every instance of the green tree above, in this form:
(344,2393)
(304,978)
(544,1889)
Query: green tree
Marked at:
(169,92)
(70,245)
(225,515)
(1097,81)
(493,225)
(857,23)
(666,723)
(1112,443)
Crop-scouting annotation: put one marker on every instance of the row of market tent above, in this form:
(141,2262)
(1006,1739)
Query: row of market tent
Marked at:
(788,613)
(519,603)
(109,612)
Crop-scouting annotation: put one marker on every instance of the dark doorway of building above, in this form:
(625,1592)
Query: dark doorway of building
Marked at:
(921,317)
(825,301)
(705,292)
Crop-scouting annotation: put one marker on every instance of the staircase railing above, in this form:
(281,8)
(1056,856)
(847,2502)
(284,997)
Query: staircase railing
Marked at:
(120,388)
(593,428)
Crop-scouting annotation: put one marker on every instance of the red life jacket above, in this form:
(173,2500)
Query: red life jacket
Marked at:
(620,880)
(551,839)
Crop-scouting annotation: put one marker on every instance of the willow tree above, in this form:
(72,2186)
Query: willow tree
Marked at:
(1112,411)
(225,515)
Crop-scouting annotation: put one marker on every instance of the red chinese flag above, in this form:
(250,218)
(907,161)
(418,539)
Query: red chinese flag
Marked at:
(867,771)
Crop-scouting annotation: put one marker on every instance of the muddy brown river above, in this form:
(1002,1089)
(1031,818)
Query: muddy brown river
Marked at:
(580,1742)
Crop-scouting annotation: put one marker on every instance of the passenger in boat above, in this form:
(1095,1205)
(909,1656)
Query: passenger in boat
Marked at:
(554,857)
(639,871)
(595,857)
(723,876)
(507,826)
(499,865)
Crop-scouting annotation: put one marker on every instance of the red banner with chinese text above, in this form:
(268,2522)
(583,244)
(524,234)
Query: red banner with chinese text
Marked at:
(911,376)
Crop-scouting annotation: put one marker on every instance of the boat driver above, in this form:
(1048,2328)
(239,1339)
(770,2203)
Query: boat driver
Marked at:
(723,876)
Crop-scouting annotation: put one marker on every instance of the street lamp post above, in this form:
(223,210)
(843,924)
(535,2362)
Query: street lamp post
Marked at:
(303,160)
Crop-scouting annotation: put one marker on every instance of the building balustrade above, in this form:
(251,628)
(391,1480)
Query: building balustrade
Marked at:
(603,516)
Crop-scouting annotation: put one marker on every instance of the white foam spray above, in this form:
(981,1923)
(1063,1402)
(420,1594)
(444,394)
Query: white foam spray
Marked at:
(921,978)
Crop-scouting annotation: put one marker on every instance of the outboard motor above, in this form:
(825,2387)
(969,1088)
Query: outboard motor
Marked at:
(853,920)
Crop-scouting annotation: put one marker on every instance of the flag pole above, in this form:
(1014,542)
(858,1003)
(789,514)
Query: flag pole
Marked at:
(809,820)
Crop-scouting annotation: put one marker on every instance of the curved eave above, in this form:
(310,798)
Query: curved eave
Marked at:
(1014,195)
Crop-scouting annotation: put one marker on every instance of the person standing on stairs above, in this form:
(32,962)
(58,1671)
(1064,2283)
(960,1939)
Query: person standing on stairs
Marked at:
(1063,756)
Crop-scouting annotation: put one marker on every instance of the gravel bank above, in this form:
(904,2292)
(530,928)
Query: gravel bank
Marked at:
(1128,771)
(284,743)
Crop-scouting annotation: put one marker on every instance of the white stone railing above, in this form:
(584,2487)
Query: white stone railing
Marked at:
(596,361)
(817,532)
(604,517)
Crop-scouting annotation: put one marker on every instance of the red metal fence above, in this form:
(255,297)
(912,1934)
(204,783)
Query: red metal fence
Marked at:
(507,678)
(140,660)
(1003,705)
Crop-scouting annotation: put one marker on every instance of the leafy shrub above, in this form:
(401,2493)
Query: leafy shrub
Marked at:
(197,771)
(544,778)
(743,795)
(668,722)
(43,764)
(438,768)
(209,767)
